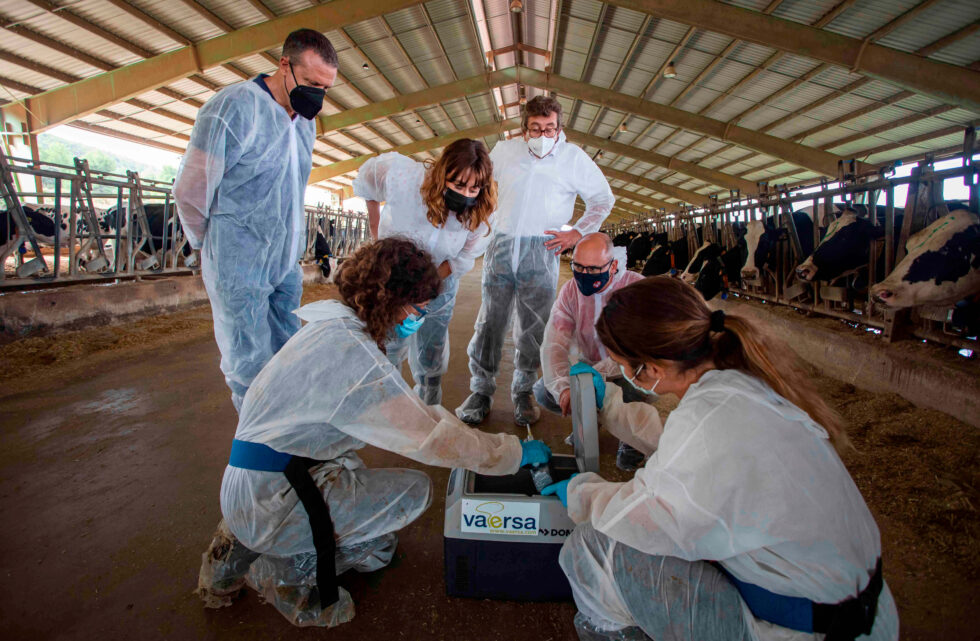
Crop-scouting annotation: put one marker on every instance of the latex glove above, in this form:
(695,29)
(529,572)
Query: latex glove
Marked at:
(559,489)
(534,453)
(582,367)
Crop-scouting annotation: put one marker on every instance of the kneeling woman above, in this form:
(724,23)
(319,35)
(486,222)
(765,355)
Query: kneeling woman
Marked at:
(744,524)
(299,506)
(445,208)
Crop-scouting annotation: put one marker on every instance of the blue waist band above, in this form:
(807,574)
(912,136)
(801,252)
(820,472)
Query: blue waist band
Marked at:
(258,457)
(795,613)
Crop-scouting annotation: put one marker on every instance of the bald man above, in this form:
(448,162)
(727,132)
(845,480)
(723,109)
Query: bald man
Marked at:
(598,270)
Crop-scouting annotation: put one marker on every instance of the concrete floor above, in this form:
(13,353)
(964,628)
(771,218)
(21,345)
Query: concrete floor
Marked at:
(112,452)
(109,481)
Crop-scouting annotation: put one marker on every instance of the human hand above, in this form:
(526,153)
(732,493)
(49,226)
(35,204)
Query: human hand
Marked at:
(582,367)
(565,401)
(559,489)
(534,453)
(562,239)
(445,270)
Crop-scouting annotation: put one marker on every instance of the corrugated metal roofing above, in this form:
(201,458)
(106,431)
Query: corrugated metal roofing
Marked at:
(405,54)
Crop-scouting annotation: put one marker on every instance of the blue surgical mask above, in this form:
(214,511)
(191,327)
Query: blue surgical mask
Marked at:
(411,324)
(636,386)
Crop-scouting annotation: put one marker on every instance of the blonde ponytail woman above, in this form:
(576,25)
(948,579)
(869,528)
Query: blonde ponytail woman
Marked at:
(744,523)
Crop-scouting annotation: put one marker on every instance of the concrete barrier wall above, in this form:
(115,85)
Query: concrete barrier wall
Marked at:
(925,375)
(82,305)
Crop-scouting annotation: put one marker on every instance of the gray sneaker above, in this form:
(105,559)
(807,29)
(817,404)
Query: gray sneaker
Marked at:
(525,411)
(474,409)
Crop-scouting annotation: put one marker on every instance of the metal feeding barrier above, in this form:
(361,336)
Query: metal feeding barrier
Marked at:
(846,297)
(98,220)
(106,226)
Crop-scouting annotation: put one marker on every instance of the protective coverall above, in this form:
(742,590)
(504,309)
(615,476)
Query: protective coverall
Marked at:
(329,392)
(534,195)
(397,180)
(740,477)
(239,193)
(570,334)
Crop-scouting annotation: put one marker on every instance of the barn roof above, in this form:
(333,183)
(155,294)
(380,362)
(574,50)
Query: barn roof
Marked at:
(765,90)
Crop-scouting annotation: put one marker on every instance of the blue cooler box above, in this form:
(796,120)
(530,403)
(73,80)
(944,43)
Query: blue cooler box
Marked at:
(501,537)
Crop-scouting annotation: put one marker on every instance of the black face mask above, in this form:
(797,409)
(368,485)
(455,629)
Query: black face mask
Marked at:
(457,202)
(589,284)
(305,100)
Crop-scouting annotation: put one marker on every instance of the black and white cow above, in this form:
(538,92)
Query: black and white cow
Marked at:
(762,237)
(667,256)
(156,221)
(714,268)
(639,248)
(324,258)
(43,224)
(942,265)
(847,245)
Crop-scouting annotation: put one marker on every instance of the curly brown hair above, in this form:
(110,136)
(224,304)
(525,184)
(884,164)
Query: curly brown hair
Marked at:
(382,278)
(461,156)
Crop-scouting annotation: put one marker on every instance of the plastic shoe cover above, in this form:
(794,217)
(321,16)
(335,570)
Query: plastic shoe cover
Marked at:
(474,409)
(223,569)
(367,556)
(430,394)
(525,411)
(628,458)
(289,584)
(589,631)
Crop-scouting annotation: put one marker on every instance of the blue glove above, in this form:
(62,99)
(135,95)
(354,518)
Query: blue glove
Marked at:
(582,367)
(559,489)
(534,453)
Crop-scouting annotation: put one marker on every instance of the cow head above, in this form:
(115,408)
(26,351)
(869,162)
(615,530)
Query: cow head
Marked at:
(846,246)
(942,265)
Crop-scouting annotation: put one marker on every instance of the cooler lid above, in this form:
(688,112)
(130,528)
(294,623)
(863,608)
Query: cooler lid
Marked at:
(585,423)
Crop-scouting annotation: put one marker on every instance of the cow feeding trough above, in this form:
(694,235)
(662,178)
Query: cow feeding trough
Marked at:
(501,536)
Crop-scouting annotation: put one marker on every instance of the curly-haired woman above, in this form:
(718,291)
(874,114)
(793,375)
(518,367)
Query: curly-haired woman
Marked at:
(299,506)
(445,207)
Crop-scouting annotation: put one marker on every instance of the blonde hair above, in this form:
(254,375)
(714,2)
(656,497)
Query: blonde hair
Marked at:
(459,157)
(662,319)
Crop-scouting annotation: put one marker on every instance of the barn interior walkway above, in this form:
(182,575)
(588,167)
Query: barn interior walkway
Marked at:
(110,468)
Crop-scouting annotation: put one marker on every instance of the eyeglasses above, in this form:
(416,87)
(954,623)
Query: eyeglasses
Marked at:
(549,131)
(590,269)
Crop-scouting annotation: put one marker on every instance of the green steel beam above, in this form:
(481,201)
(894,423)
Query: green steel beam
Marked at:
(683,195)
(950,83)
(61,105)
(691,169)
(345,166)
(813,159)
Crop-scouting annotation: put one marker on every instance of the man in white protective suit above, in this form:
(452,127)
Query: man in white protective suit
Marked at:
(538,177)
(597,271)
(239,194)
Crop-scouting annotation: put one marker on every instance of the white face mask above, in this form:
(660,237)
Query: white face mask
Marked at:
(541,146)
(636,386)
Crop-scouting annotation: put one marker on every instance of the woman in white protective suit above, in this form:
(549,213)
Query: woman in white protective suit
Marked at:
(299,506)
(744,523)
(444,207)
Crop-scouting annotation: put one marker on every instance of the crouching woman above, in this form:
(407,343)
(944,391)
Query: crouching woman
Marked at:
(299,505)
(744,523)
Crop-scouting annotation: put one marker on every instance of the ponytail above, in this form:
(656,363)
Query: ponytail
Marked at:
(664,319)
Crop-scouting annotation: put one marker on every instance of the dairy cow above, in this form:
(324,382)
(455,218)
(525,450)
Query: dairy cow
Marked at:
(846,246)
(666,256)
(762,237)
(155,221)
(942,265)
(638,249)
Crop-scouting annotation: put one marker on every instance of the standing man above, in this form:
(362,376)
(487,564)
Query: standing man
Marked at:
(240,192)
(538,177)
(597,270)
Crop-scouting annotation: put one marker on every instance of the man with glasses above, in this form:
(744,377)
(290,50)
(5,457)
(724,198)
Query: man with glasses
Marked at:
(538,178)
(598,270)
(240,192)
